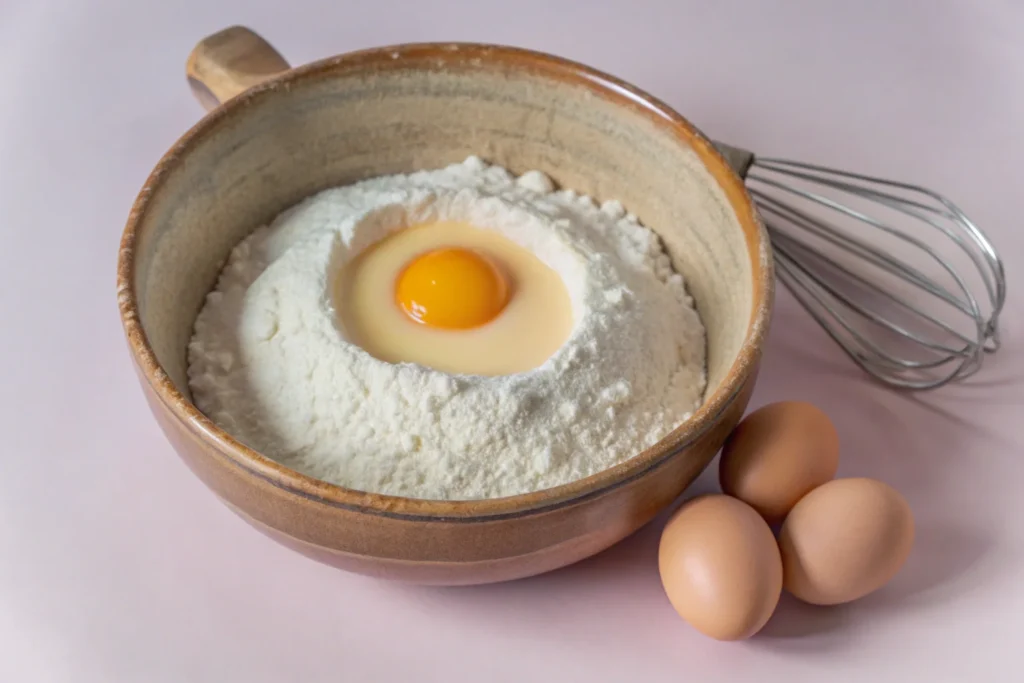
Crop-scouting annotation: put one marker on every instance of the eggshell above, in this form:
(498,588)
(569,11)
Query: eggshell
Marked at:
(720,567)
(776,455)
(845,539)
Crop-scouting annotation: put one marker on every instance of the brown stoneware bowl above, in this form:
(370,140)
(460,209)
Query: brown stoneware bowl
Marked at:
(282,134)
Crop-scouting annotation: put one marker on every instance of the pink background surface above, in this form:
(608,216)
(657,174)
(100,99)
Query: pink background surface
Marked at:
(117,565)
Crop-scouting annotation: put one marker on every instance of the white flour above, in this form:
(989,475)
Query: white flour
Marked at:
(270,365)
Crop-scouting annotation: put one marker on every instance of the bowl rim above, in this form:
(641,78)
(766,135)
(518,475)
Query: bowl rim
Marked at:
(433,56)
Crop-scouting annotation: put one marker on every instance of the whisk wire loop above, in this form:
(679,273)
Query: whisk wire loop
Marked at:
(846,266)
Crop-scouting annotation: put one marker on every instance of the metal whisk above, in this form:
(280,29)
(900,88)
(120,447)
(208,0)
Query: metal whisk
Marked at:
(896,274)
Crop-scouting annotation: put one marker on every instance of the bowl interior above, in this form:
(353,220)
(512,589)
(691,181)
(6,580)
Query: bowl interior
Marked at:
(388,111)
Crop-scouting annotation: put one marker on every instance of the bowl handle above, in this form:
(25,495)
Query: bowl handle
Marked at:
(230,62)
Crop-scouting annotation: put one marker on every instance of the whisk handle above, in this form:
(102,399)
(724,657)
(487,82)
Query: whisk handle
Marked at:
(740,159)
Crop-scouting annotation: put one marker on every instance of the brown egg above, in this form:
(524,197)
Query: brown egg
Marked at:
(720,567)
(844,540)
(776,455)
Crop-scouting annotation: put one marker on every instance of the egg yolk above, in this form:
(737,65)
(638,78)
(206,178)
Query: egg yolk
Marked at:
(452,288)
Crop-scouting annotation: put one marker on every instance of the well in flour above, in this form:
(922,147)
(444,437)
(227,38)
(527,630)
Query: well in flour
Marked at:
(270,364)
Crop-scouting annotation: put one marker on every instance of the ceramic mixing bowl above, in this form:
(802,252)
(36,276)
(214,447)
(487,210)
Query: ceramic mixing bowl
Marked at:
(397,109)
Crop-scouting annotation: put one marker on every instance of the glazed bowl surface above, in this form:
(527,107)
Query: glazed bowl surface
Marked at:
(411,107)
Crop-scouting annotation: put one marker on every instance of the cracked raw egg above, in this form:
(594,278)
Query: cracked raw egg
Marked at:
(456,298)
(452,288)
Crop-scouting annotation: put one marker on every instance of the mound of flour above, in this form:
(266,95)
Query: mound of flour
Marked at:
(269,363)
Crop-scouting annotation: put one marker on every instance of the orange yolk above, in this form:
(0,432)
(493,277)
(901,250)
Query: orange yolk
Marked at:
(452,288)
